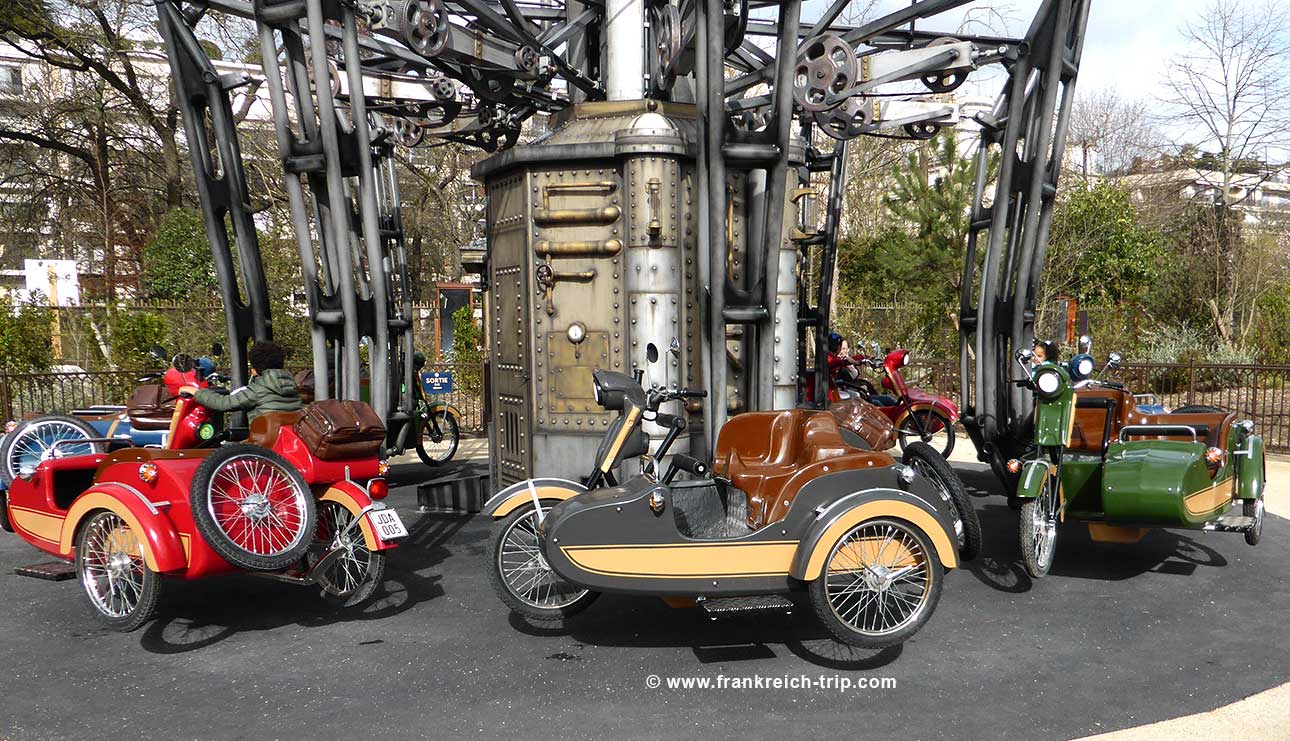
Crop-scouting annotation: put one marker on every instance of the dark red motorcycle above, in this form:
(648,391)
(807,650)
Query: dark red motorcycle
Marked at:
(916,414)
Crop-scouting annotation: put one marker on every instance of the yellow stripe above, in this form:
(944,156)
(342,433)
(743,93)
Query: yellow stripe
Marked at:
(628,425)
(38,524)
(686,560)
(1208,500)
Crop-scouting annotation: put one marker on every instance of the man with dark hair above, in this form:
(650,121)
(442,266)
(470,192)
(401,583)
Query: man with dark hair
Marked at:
(271,389)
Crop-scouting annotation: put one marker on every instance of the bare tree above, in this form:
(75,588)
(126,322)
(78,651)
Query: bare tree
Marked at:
(1232,85)
(1109,133)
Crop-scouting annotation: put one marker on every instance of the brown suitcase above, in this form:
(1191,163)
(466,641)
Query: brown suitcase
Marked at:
(335,430)
(150,407)
(865,420)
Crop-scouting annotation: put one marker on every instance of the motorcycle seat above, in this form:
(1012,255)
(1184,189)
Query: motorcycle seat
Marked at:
(265,428)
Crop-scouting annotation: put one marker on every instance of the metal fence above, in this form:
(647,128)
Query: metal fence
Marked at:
(27,394)
(1257,392)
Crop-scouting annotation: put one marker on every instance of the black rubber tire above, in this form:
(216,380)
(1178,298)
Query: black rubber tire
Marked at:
(12,439)
(908,433)
(843,633)
(154,587)
(451,431)
(969,541)
(5,524)
(221,543)
(551,616)
(372,580)
(1250,508)
(1199,409)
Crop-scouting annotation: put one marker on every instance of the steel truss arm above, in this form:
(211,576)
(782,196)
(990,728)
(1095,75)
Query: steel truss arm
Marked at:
(1009,234)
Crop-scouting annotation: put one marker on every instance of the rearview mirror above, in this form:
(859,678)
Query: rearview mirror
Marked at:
(217,349)
(1024,355)
(183,362)
(1113,360)
(158,352)
(1085,344)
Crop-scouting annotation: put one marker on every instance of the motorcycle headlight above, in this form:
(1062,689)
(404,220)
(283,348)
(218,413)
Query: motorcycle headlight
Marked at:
(1084,367)
(904,360)
(595,389)
(1048,382)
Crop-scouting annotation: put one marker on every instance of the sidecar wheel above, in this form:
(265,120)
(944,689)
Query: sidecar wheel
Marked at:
(1038,523)
(522,577)
(354,577)
(253,508)
(32,441)
(967,528)
(122,590)
(880,584)
(1254,508)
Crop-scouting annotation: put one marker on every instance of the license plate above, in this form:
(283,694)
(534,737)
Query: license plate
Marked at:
(387,524)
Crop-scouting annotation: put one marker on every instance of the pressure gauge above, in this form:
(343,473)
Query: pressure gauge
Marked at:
(577,332)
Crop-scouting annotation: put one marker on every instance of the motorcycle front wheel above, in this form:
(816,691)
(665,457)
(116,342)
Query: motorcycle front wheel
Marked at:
(521,576)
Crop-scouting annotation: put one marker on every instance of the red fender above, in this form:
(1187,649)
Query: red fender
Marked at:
(354,498)
(163,550)
(944,406)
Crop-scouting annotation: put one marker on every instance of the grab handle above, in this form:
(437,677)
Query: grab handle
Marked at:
(1128,430)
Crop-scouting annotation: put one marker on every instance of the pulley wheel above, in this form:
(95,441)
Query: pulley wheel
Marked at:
(668,45)
(423,24)
(949,80)
(408,133)
(848,120)
(826,66)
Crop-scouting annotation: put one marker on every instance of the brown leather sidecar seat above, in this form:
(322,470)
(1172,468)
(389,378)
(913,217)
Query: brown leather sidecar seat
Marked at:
(265,428)
(771,455)
(150,407)
(1212,428)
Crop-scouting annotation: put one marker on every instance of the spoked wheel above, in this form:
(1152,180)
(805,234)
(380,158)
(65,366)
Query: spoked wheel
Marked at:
(109,564)
(356,572)
(522,577)
(937,431)
(967,528)
(38,439)
(1039,528)
(253,508)
(438,437)
(880,584)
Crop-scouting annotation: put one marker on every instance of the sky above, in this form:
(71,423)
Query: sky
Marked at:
(1126,48)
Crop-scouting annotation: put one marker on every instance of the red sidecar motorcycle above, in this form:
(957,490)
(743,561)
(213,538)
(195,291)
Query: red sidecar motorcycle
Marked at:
(916,414)
(298,501)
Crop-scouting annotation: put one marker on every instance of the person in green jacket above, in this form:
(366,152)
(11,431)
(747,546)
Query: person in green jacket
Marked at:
(271,388)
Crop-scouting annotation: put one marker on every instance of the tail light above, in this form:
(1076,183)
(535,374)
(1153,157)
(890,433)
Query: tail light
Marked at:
(378,489)
(1014,466)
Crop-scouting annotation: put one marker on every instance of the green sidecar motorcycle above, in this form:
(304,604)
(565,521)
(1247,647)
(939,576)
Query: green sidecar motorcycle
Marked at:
(1103,458)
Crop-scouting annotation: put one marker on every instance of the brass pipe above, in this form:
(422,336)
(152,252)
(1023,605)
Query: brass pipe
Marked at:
(576,216)
(605,248)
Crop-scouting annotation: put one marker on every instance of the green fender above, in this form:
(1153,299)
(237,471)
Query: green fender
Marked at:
(1033,474)
(1055,414)
(1250,468)
(438,406)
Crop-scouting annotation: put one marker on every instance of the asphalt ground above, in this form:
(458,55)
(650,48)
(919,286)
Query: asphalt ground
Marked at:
(1117,636)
